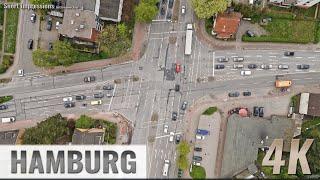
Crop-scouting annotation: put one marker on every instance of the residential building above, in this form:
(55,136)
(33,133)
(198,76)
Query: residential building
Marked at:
(299,3)
(88,136)
(226,25)
(309,104)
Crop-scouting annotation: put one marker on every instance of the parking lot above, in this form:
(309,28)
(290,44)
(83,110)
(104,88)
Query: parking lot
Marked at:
(48,36)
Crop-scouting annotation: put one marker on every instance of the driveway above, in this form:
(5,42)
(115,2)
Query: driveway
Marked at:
(46,36)
(247,25)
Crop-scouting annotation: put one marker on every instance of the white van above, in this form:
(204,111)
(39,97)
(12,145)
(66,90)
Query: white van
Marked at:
(166,167)
(8,119)
(67,99)
(98,102)
(171,137)
(245,73)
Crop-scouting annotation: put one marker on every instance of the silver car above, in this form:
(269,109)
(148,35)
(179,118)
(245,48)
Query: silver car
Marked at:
(283,66)
(266,66)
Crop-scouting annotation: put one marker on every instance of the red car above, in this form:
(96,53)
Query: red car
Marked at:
(178,68)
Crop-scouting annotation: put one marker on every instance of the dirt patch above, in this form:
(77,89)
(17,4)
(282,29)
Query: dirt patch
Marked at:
(175,16)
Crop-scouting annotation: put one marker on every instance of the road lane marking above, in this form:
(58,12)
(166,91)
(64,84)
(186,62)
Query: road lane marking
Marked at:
(114,90)
(258,55)
(311,57)
(299,57)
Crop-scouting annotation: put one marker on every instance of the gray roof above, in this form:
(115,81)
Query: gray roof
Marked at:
(85,4)
(8,137)
(243,138)
(88,136)
(111,10)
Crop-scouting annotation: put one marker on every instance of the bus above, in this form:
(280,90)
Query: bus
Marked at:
(166,167)
(187,50)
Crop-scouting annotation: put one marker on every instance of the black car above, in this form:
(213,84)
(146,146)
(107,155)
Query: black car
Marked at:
(289,53)
(246,93)
(219,66)
(33,17)
(107,87)
(49,24)
(30,44)
(98,95)
(252,66)
(89,79)
(171,3)
(197,158)
(177,87)
(261,114)
(158,4)
(69,104)
(184,105)
(50,46)
(250,33)
(234,94)
(180,173)
(303,66)
(169,15)
(178,138)
(162,11)
(199,149)
(80,97)
(255,111)
(174,116)
(3,107)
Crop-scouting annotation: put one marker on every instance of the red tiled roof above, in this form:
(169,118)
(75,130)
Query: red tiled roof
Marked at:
(227,24)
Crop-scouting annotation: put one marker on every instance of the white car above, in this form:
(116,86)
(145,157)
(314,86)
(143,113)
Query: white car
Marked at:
(165,128)
(67,99)
(20,72)
(171,137)
(183,9)
(199,137)
(57,24)
(196,163)
(245,73)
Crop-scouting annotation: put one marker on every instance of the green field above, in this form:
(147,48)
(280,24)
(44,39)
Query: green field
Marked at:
(11,30)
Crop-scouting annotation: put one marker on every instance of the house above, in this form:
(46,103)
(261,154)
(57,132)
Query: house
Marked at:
(88,136)
(226,25)
(309,104)
(298,3)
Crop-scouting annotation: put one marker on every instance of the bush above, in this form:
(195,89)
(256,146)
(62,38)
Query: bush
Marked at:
(6,63)
(85,122)
(210,111)
(4,99)
(198,172)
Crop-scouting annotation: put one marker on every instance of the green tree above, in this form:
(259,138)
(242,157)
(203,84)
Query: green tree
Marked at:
(41,1)
(64,53)
(184,148)
(207,8)
(198,172)
(146,10)
(85,122)
(108,36)
(183,162)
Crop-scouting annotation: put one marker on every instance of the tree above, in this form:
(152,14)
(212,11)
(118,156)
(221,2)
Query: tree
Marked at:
(85,122)
(64,53)
(108,36)
(183,162)
(184,148)
(146,10)
(198,172)
(41,2)
(207,8)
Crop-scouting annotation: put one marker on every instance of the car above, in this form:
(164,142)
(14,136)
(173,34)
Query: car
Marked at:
(50,46)
(250,33)
(195,163)
(183,9)
(165,128)
(219,66)
(30,44)
(246,93)
(222,59)
(238,66)
(255,111)
(89,79)
(261,113)
(289,53)
(108,87)
(171,3)
(199,149)
(169,15)
(184,105)
(158,4)
(33,17)
(171,136)
(166,167)
(20,72)
(252,66)
(49,24)
(199,137)
(174,116)
(178,138)
(109,95)
(162,11)
(303,66)
(283,66)
(177,87)
(98,102)
(80,97)
(98,95)
(58,24)
(67,99)
(266,66)
(178,67)
(197,158)
(245,73)
(3,106)
(238,59)
(234,94)
(69,104)
(180,173)
(164,1)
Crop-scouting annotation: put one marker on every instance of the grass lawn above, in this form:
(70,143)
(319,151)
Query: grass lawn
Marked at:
(4,99)
(1,14)
(198,172)
(1,36)
(11,30)
(210,111)
(310,123)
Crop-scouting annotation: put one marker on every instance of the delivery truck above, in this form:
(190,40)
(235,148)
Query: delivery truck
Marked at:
(283,83)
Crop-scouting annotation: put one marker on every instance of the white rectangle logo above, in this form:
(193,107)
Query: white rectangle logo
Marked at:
(70,161)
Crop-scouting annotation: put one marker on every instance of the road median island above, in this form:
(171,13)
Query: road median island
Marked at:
(4,99)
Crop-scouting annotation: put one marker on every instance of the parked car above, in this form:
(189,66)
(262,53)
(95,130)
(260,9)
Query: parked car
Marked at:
(289,53)
(171,3)
(234,94)
(162,11)
(69,104)
(178,138)
(195,163)
(255,111)
(252,66)
(266,66)
(89,79)
(98,102)
(250,33)
(30,44)
(20,72)
(80,97)
(219,66)
(222,59)
(169,15)
(58,25)
(165,128)
(238,59)
(164,1)
(158,4)
(183,9)
(50,46)
(3,106)
(184,105)
(174,116)
(246,93)
(197,158)
(261,114)
(177,87)
(178,67)
(199,149)
(283,66)
(238,66)
(199,137)
(171,136)
(67,99)
(303,66)
(180,173)
(245,73)
(107,87)
(49,24)
(98,95)
(33,17)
